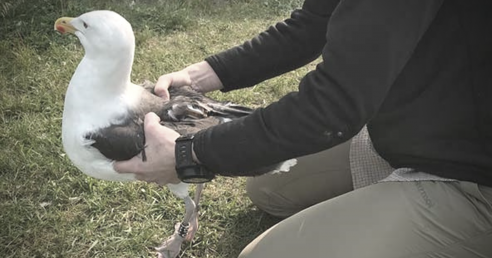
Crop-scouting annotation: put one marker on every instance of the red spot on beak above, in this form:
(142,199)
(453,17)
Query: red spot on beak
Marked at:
(60,29)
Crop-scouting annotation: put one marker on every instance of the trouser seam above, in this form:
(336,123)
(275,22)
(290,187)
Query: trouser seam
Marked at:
(447,246)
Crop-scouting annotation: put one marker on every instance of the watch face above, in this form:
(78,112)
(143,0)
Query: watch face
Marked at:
(195,174)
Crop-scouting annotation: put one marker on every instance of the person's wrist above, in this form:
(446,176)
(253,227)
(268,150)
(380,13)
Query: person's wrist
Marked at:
(203,77)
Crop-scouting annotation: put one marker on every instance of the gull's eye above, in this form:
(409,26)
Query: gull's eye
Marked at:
(85,25)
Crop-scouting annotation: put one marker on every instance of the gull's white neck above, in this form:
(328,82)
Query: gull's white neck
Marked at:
(100,91)
(105,76)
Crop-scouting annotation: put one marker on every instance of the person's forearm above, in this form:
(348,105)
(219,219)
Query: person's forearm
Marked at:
(281,48)
(364,56)
(203,77)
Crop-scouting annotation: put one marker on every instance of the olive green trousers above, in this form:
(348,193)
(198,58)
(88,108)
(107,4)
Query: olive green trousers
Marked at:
(326,218)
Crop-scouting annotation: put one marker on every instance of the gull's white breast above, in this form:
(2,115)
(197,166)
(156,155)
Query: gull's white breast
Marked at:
(84,113)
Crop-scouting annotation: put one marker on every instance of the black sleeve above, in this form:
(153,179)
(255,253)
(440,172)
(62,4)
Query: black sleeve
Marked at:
(369,43)
(281,48)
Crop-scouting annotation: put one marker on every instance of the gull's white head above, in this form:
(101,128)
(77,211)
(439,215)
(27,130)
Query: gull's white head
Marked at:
(103,34)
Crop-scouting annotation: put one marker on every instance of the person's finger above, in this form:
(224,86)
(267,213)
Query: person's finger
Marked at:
(127,166)
(162,86)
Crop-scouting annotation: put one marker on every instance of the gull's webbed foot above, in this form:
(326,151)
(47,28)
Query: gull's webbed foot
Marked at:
(193,225)
(172,246)
(184,231)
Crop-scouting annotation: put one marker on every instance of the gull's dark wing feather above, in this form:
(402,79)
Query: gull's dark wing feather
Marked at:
(192,126)
(187,112)
(119,142)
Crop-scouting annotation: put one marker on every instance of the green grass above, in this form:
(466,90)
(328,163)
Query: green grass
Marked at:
(47,207)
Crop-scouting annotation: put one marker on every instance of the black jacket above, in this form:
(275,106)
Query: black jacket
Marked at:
(418,73)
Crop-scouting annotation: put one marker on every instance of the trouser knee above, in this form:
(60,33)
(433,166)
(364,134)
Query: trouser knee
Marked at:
(315,178)
(269,199)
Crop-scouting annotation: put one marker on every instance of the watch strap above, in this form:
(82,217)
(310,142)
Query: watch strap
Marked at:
(187,169)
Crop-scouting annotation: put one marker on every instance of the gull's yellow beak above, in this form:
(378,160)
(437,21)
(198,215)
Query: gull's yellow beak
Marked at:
(63,25)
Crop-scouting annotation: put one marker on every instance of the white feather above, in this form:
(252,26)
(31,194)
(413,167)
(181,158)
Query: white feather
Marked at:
(284,166)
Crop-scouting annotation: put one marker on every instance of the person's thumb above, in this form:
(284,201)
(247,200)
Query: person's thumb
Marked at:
(151,122)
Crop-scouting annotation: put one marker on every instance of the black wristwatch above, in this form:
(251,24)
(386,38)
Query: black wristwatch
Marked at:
(188,170)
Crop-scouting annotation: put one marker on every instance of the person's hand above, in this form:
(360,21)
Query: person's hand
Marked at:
(200,76)
(160,164)
(176,79)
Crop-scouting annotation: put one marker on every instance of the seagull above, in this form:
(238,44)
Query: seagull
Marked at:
(104,111)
